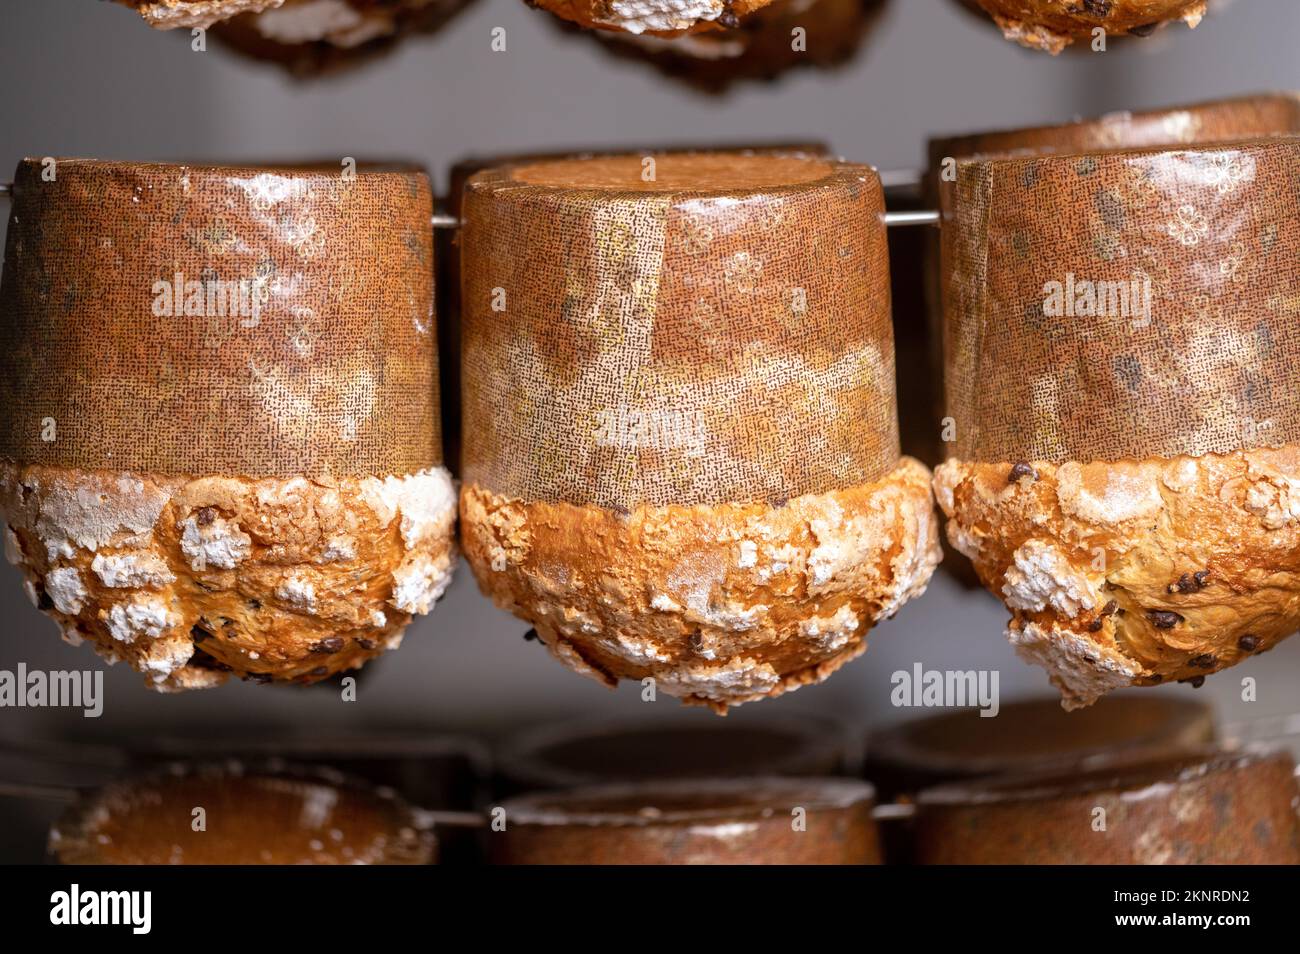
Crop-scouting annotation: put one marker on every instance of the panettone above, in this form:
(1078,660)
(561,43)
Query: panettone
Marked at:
(662,17)
(310,37)
(1121,474)
(1208,806)
(221,447)
(761,47)
(681,448)
(230,814)
(739,821)
(192,14)
(1052,25)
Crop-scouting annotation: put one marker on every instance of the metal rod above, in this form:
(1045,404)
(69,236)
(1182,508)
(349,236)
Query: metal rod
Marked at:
(6,189)
(441,220)
(918,217)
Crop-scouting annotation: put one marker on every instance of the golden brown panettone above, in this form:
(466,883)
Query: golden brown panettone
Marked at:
(680,453)
(661,17)
(191,579)
(1121,471)
(1134,572)
(719,604)
(1052,25)
(220,450)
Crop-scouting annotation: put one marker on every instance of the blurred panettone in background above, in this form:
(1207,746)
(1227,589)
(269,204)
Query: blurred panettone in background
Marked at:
(270,813)
(655,17)
(192,14)
(1052,25)
(762,47)
(307,37)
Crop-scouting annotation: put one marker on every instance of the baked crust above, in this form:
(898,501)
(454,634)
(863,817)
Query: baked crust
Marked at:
(1134,572)
(656,17)
(1052,25)
(188,14)
(721,604)
(192,579)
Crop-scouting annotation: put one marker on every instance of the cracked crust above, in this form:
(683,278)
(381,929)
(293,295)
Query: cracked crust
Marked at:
(192,579)
(1134,572)
(1052,25)
(719,604)
(653,17)
(189,14)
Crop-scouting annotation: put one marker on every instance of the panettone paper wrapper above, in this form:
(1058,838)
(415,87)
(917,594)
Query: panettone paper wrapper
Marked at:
(1244,117)
(1207,362)
(211,320)
(721,334)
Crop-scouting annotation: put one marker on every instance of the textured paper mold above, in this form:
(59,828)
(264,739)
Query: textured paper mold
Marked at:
(220,450)
(1052,25)
(1202,806)
(696,821)
(1122,480)
(721,334)
(1245,117)
(274,814)
(663,17)
(449,249)
(1241,117)
(681,451)
(1213,367)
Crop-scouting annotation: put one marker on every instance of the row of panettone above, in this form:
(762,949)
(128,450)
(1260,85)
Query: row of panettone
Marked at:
(320,33)
(1136,779)
(679,450)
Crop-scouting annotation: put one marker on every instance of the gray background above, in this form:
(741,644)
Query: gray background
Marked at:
(85,78)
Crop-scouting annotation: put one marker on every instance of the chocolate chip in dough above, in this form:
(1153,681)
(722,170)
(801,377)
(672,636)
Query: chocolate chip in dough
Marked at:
(1163,619)
(1021,469)
(1203,661)
(330,644)
(1190,582)
(531,635)
(1248,643)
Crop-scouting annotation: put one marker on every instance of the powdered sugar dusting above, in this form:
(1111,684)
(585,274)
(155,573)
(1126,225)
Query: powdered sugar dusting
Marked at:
(1082,669)
(1040,576)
